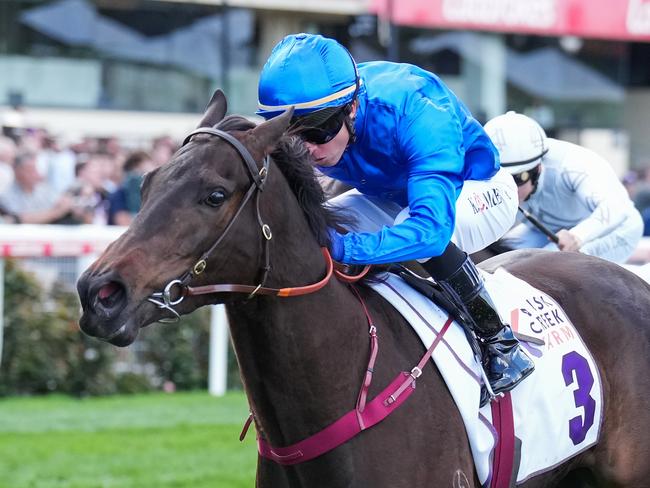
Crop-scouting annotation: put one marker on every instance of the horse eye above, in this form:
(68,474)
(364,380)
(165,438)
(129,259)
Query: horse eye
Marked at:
(216,198)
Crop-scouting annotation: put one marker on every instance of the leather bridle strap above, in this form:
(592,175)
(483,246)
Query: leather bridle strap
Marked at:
(340,272)
(257,175)
(163,299)
(200,265)
(261,290)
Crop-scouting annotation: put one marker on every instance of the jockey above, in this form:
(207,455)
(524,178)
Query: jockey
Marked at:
(570,189)
(426,177)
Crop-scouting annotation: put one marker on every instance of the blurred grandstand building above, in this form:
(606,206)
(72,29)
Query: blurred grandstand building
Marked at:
(138,69)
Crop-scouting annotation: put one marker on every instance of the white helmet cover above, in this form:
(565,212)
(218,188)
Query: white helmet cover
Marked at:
(520,140)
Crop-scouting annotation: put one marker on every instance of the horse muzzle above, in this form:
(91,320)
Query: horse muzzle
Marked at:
(103,300)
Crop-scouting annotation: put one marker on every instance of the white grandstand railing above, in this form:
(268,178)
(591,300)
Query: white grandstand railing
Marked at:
(52,248)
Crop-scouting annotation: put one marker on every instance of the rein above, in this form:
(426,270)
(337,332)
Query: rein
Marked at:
(282,292)
(261,290)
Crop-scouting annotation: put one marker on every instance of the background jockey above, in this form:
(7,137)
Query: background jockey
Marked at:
(426,177)
(570,189)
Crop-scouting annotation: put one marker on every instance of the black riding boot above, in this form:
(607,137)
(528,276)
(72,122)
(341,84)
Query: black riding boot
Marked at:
(505,364)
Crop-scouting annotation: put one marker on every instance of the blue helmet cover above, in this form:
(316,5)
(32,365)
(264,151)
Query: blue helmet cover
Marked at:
(307,71)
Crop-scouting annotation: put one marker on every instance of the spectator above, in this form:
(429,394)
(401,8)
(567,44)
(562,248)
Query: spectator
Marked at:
(32,140)
(110,146)
(59,163)
(89,193)
(71,184)
(124,203)
(7,155)
(162,149)
(105,168)
(29,198)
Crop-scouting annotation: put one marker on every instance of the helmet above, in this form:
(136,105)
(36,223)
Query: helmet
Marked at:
(520,140)
(309,72)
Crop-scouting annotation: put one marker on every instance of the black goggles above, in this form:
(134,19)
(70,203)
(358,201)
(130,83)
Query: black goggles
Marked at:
(526,176)
(321,127)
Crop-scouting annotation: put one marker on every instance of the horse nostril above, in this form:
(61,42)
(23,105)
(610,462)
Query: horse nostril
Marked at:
(110,294)
(107,290)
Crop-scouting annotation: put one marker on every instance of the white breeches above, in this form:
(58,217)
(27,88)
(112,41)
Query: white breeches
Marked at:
(485,210)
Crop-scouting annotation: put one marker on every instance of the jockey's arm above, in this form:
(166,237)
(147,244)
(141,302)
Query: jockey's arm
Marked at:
(431,145)
(609,204)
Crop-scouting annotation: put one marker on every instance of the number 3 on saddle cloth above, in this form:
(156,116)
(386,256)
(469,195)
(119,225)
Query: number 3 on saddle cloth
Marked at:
(550,417)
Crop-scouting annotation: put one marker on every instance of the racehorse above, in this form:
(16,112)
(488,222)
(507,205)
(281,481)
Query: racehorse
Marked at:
(221,211)
(497,248)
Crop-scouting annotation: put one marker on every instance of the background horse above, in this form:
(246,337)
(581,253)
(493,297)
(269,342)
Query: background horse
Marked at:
(496,249)
(303,358)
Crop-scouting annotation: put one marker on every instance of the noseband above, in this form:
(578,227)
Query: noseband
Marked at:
(164,299)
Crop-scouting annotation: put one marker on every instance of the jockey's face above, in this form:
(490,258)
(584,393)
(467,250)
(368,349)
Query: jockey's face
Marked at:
(524,191)
(525,182)
(330,153)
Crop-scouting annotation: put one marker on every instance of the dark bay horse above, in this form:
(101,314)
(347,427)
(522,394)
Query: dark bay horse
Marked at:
(207,218)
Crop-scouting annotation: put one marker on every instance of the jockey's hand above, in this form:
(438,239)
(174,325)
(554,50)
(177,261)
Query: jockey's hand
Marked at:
(568,241)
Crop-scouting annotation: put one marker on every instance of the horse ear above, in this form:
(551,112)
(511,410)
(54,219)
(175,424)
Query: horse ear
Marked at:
(268,133)
(215,111)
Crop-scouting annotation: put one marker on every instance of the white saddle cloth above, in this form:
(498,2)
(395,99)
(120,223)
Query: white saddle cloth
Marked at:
(557,410)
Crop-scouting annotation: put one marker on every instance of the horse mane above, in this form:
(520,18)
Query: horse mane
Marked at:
(294,162)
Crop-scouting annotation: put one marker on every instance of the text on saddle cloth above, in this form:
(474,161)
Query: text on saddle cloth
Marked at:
(563,395)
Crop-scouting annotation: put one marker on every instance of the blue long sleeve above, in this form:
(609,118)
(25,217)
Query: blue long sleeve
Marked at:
(416,145)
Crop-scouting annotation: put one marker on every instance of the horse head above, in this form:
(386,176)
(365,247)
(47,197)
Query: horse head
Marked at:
(207,216)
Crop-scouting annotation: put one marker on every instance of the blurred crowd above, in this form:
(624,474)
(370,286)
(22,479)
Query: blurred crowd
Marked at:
(44,180)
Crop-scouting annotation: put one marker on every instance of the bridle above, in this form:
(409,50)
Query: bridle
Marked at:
(365,414)
(165,300)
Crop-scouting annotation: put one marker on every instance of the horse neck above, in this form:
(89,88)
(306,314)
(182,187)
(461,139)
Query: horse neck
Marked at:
(300,357)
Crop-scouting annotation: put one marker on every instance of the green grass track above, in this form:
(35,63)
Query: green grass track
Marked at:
(140,441)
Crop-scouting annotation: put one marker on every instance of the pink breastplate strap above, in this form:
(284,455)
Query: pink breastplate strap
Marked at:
(362,417)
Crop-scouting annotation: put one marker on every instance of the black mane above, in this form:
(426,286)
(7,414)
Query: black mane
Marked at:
(293,159)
